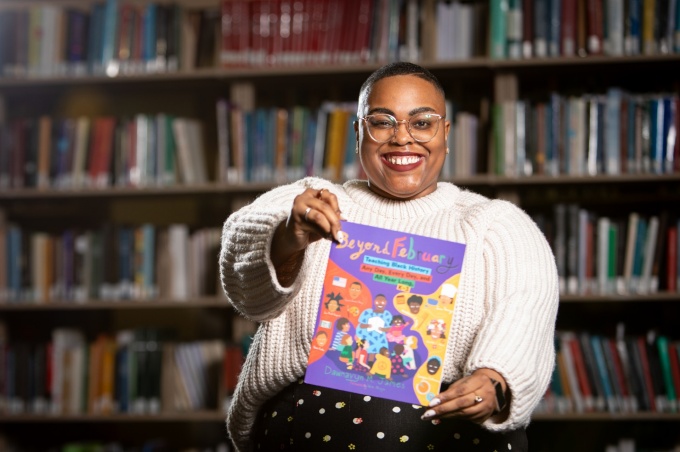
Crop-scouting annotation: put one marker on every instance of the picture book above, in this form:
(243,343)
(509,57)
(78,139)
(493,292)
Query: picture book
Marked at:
(385,310)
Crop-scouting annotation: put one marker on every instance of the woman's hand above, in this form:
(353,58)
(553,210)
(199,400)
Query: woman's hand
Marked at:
(472,398)
(315,214)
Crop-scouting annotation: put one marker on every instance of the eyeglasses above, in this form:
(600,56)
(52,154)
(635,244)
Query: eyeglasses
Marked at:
(383,127)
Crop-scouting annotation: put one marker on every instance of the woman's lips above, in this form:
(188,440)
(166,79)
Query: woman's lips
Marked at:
(402,162)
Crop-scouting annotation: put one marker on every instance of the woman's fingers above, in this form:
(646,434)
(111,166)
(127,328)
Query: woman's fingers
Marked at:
(470,398)
(317,211)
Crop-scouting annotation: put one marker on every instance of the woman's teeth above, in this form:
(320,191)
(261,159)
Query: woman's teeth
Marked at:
(407,160)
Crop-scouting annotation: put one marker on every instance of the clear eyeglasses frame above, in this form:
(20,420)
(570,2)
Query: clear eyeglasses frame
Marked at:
(422,127)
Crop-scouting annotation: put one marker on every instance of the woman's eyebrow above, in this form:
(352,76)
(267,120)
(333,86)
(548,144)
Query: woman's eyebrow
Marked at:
(387,111)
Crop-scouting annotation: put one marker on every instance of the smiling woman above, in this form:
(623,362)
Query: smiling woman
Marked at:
(500,338)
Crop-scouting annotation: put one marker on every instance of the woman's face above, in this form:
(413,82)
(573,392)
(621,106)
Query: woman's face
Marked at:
(403,168)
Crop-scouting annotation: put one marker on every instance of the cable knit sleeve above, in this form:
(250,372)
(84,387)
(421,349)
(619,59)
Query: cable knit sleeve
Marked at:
(516,338)
(246,271)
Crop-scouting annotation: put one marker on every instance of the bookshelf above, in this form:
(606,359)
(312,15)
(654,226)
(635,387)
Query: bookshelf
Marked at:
(476,81)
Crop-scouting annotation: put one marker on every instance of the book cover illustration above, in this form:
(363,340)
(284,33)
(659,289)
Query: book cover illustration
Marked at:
(384,314)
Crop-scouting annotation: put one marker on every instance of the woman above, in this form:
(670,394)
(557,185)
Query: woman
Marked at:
(501,336)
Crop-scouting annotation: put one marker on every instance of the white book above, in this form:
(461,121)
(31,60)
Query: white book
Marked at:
(613,131)
(648,259)
(178,243)
(615,30)
(509,138)
(79,170)
(180,128)
(603,225)
(631,234)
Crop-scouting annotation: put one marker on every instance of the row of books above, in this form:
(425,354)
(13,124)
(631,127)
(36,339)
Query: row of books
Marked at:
(622,374)
(608,255)
(612,133)
(106,37)
(253,145)
(141,371)
(100,152)
(283,144)
(550,28)
(113,262)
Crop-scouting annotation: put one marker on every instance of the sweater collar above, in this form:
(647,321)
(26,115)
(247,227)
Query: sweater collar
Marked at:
(442,198)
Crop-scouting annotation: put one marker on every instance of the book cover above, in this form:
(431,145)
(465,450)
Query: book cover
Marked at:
(387,302)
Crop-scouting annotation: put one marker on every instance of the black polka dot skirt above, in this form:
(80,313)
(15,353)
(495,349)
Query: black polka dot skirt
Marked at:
(305,417)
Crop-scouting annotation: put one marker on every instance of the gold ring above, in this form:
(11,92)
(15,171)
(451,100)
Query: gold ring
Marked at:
(307,212)
(478,399)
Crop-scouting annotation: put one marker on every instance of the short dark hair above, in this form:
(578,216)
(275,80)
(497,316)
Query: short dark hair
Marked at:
(399,68)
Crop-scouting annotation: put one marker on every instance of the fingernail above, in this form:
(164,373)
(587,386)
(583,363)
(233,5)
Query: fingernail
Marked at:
(427,415)
(340,237)
(435,401)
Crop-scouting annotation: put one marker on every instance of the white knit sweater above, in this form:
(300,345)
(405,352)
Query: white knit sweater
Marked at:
(505,310)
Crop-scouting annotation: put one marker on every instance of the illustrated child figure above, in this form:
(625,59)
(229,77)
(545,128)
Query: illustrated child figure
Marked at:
(341,329)
(321,339)
(395,333)
(397,360)
(382,365)
(436,330)
(408,358)
(333,303)
(446,295)
(433,365)
(361,356)
(346,355)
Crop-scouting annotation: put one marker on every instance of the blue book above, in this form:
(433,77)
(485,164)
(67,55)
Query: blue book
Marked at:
(149,260)
(498,11)
(248,151)
(109,41)
(676,29)
(632,43)
(350,166)
(149,35)
(656,138)
(95,44)
(554,27)
(639,255)
(125,256)
(552,159)
(667,147)
(541,28)
(605,378)
(311,130)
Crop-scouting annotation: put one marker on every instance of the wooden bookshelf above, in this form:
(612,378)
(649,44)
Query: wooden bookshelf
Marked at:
(471,82)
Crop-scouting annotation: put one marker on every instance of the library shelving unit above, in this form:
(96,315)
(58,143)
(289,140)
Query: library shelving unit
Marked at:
(477,84)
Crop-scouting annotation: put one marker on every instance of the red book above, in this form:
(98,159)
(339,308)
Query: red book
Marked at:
(231,367)
(363,34)
(568,28)
(595,26)
(672,260)
(582,373)
(107,126)
(647,383)
(674,356)
(617,367)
